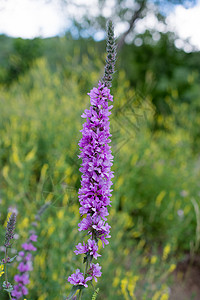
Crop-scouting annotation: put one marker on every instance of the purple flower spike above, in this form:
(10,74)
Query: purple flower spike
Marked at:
(96,179)
(24,267)
(95,191)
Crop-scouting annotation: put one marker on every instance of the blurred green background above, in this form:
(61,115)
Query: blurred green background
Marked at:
(155,217)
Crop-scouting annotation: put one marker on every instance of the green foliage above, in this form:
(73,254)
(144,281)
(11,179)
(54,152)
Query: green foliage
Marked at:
(18,55)
(153,216)
(160,70)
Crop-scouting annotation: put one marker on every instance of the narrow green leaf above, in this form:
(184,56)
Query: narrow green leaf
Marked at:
(10,289)
(11,259)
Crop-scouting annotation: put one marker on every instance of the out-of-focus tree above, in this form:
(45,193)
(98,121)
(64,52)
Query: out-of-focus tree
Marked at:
(156,68)
(17,56)
(151,62)
(88,18)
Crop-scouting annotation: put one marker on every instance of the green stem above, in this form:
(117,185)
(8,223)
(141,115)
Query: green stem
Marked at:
(9,295)
(86,268)
(5,269)
(80,294)
(5,266)
(85,272)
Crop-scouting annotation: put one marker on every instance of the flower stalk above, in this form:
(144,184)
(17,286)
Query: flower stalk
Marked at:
(96,180)
(25,258)
(111,56)
(9,235)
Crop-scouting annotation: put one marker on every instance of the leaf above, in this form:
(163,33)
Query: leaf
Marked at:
(7,286)
(74,289)
(10,289)
(12,258)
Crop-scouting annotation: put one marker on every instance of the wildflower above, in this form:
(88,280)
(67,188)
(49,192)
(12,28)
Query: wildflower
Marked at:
(153,259)
(1,270)
(81,249)
(28,247)
(124,283)
(166,251)
(7,219)
(97,160)
(19,290)
(95,191)
(78,279)
(24,278)
(21,253)
(13,209)
(33,238)
(10,228)
(94,271)
(96,179)
(164,297)
(90,248)
(24,267)
(172,268)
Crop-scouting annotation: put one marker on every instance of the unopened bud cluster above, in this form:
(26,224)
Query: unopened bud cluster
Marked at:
(10,228)
(111,56)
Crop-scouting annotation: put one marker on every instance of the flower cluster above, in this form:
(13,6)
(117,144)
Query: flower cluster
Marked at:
(79,279)
(95,191)
(24,267)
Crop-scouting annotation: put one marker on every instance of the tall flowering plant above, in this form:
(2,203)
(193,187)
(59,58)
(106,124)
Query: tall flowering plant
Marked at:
(10,230)
(25,266)
(24,257)
(95,191)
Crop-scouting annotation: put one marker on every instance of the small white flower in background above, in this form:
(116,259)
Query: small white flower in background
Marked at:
(180,213)
(16,236)
(13,209)
(13,251)
(184,193)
